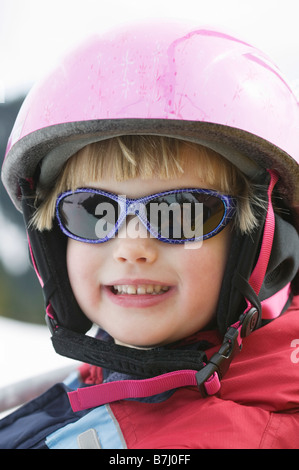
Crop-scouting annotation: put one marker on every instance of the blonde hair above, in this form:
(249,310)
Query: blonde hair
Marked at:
(123,158)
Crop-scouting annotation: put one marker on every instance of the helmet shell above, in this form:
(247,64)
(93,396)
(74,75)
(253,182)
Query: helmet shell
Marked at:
(165,79)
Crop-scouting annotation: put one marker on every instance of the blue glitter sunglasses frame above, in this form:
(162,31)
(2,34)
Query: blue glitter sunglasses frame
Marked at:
(79,223)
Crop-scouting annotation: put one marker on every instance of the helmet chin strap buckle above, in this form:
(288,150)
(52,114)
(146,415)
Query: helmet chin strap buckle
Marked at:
(219,363)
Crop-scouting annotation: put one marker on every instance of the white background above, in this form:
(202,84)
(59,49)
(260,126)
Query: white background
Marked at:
(34,33)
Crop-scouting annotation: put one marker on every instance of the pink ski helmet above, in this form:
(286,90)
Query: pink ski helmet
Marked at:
(198,85)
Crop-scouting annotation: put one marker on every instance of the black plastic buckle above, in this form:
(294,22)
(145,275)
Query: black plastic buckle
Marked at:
(220,361)
(250,321)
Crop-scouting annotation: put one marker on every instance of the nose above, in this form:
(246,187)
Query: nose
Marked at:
(135,246)
(135,251)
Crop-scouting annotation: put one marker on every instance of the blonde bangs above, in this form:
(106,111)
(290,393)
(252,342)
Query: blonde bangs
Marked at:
(124,158)
(145,157)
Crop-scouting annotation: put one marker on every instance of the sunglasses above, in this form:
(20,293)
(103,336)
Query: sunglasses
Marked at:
(176,216)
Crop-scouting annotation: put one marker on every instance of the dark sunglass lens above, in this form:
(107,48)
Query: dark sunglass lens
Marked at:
(164,215)
(213,212)
(185,215)
(88,215)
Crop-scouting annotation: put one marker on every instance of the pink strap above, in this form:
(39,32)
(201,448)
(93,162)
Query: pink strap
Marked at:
(98,395)
(212,385)
(272,306)
(258,274)
(34,263)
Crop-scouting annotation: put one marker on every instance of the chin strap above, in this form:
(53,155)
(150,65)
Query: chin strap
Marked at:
(97,395)
(258,274)
(207,379)
(143,363)
(85,398)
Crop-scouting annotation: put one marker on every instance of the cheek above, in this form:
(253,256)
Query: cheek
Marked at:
(203,269)
(81,270)
(202,272)
(208,261)
(74,260)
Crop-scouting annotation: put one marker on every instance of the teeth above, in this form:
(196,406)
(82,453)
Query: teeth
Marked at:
(140,289)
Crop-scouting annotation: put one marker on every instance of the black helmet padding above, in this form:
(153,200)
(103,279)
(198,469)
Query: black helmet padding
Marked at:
(48,249)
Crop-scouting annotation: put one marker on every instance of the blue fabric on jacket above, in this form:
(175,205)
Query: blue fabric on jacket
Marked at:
(28,427)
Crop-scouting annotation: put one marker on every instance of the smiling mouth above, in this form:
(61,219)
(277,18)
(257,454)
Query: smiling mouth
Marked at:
(142,289)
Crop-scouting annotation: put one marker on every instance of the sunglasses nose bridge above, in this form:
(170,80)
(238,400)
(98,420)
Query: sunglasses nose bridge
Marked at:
(135,208)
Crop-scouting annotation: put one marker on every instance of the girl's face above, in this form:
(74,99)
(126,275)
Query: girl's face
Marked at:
(171,292)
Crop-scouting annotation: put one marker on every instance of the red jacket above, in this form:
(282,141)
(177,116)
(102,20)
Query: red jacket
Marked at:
(257,407)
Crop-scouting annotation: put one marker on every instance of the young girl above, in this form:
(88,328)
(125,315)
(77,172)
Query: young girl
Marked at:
(131,123)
